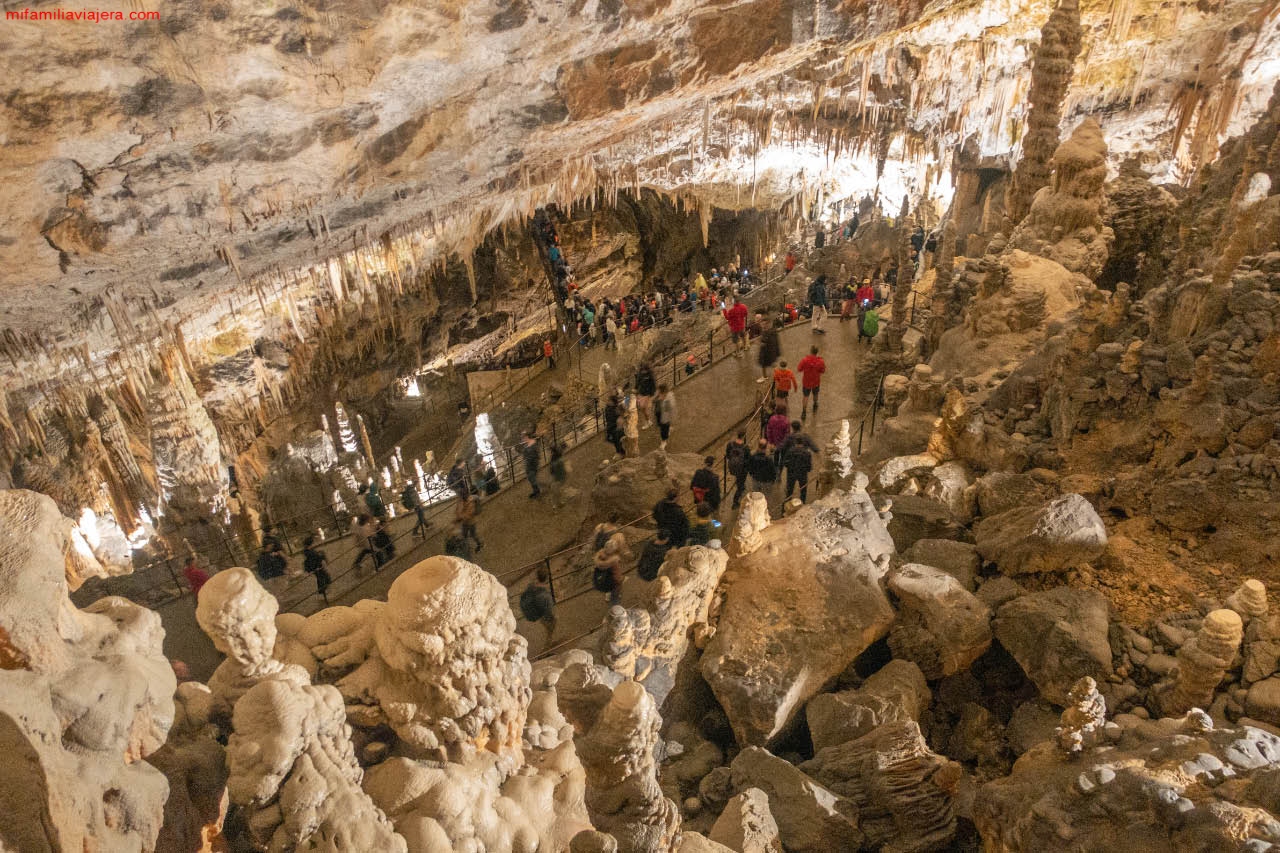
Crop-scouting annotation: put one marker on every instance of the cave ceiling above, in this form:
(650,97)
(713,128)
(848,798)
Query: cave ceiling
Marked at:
(153,170)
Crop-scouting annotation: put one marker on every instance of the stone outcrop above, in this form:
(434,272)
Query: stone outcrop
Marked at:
(746,825)
(1171,784)
(797,611)
(941,626)
(648,643)
(1058,637)
(894,693)
(1062,534)
(85,696)
(903,791)
(810,817)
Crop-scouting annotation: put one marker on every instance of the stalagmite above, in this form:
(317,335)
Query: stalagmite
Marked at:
(1051,73)
(1249,600)
(1203,662)
(1084,716)
(942,284)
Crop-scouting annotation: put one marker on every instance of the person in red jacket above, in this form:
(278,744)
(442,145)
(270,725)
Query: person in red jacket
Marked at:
(790,262)
(196,576)
(810,368)
(736,316)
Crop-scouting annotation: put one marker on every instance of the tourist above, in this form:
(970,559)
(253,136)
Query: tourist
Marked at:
(271,562)
(761,469)
(736,316)
(789,263)
(610,332)
(456,544)
(866,294)
(784,382)
(777,428)
(529,450)
(770,349)
(797,457)
(612,429)
(457,479)
(362,534)
(382,543)
(538,605)
(670,516)
(315,563)
(465,514)
(818,302)
(373,500)
(559,470)
(196,576)
(705,484)
(735,463)
(869,326)
(607,574)
(848,300)
(412,503)
(646,386)
(704,529)
(654,553)
(549,354)
(811,368)
(664,408)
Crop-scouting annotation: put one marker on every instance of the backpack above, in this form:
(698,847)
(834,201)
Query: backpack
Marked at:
(533,604)
(798,459)
(735,457)
(871,324)
(602,579)
(409,498)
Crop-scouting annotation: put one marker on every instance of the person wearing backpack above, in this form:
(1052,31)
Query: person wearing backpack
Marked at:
(770,348)
(538,605)
(655,551)
(612,430)
(646,386)
(797,457)
(704,530)
(818,299)
(607,575)
(465,514)
(409,500)
(869,326)
(705,484)
(735,462)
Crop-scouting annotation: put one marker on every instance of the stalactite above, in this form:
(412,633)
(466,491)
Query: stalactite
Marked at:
(1054,65)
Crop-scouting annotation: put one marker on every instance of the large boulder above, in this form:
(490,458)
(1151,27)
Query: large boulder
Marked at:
(941,626)
(896,692)
(1064,533)
(916,518)
(746,825)
(958,559)
(810,818)
(1057,636)
(1001,491)
(797,611)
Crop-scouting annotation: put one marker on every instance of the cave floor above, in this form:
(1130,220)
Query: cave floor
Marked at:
(518,532)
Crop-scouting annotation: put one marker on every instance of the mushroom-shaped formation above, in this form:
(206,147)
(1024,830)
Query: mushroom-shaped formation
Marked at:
(456,676)
(1249,600)
(239,617)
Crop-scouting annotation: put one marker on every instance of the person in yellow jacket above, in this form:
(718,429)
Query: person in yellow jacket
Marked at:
(699,284)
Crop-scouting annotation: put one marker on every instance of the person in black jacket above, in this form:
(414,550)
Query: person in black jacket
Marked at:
(761,469)
(706,484)
(735,460)
(532,460)
(797,457)
(770,349)
(670,516)
(655,551)
(646,386)
(612,430)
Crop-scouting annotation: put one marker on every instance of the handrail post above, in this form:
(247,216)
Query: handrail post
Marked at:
(551,578)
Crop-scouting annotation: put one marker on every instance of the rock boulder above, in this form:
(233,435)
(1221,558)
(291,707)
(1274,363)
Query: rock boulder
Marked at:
(1057,636)
(1061,534)
(941,626)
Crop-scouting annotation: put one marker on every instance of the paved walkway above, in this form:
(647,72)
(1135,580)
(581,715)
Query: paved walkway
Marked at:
(518,532)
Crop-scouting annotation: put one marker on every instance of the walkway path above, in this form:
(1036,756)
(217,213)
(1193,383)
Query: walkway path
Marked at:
(517,531)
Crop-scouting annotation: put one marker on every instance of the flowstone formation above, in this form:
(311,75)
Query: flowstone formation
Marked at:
(85,696)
